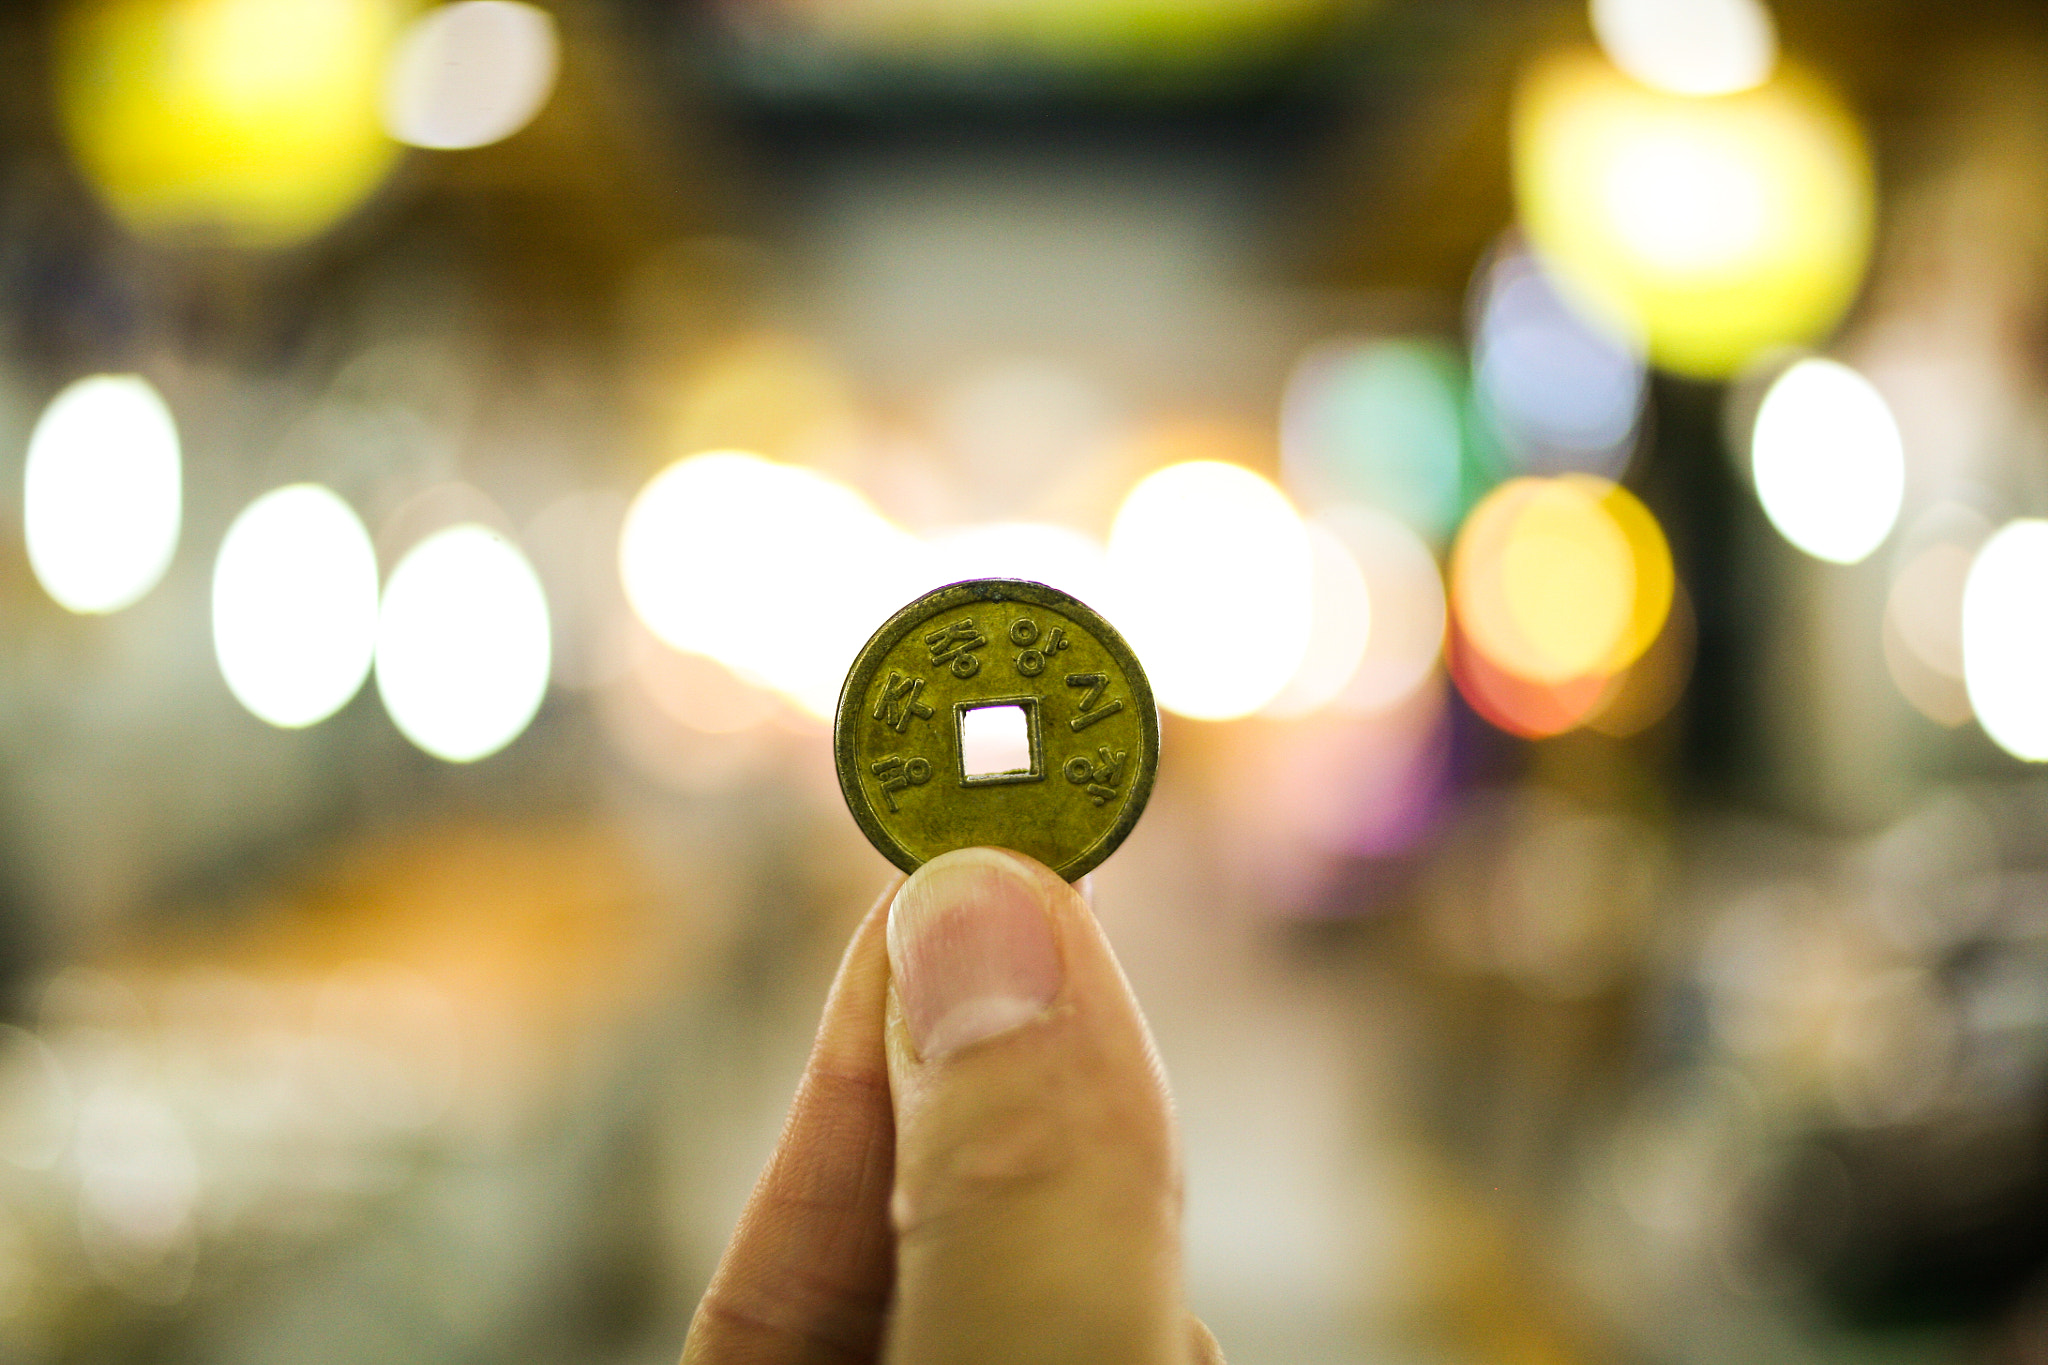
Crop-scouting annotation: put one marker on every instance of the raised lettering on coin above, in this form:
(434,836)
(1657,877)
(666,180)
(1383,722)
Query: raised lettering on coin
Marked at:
(1031,662)
(994,735)
(899,703)
(1100,779)
(953,645)
(1097,684)
(897,773)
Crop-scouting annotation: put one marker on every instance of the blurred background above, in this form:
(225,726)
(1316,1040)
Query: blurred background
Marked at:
(1574,476)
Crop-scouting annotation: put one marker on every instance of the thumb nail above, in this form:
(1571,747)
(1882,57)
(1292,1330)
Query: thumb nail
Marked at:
(971,947)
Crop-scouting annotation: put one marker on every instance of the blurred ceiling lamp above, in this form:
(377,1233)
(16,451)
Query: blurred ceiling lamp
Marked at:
(1562,389)
(2005,638)
(774,570)
(1560,579)
(295,605)
(1830,470)
(1056,555)
(470,74)
(1689,47)
(462,643)
(1712,228)
(102,493)
(1212,577)
(1340,625)
(1379,423)
(1406,589)
(250,120)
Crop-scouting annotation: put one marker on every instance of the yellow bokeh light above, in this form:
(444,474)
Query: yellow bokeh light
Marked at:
(254,121)
(1714,228)
(1211,578)
(1655,579)
(1556,580)
(1542,580)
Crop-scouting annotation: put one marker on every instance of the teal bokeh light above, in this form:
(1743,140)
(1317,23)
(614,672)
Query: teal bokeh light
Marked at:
(1383,423)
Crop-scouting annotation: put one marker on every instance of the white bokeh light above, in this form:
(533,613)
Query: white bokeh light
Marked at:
(470,74)
(1409,611)
(2005,638)
(774,570)
(295,605)
(1689,47)
(1830,469)
(1212,574)
(1054,555)
(462,643)
(1340,627)
(102,493)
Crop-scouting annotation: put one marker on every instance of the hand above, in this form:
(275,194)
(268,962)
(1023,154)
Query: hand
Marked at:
(980,1164)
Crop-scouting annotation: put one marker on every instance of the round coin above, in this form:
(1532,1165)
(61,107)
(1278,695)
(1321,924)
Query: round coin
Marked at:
(996,712)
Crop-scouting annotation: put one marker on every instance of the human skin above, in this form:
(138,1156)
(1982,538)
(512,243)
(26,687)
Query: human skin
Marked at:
(980,1163)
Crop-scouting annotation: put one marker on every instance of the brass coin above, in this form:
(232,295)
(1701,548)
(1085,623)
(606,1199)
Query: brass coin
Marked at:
(1072,688)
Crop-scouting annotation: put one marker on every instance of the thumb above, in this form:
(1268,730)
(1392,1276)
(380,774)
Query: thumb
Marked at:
(1037,1195)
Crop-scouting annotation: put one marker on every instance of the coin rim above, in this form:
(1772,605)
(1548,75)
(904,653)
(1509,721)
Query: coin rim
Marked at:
(855,685)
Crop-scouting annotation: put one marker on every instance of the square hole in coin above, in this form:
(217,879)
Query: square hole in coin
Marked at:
(995,741)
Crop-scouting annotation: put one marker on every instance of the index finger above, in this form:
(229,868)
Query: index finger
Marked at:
(808,1273)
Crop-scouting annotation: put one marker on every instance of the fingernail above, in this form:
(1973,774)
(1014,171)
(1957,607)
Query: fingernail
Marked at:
(971,945)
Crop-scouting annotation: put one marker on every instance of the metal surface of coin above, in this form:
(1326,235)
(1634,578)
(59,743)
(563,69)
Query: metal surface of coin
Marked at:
(996,712)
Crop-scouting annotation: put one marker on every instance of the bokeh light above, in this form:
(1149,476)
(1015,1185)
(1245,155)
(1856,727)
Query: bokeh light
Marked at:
(102,493)
(1656,580)
(696,690)
(1645,692)
(295,605)
(2005,638)
(1380,423)
(1830,470)
(1340,627)
(251,120)
(774,570)
(1689,47)
(1521,707)
(1713,228)
(1409,612)
(1043,553)
(1212,573)
(462,643)
(470,74)
(1923,617)
(1558,587)
(1927,602)
(1543,580)
(1561,388)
